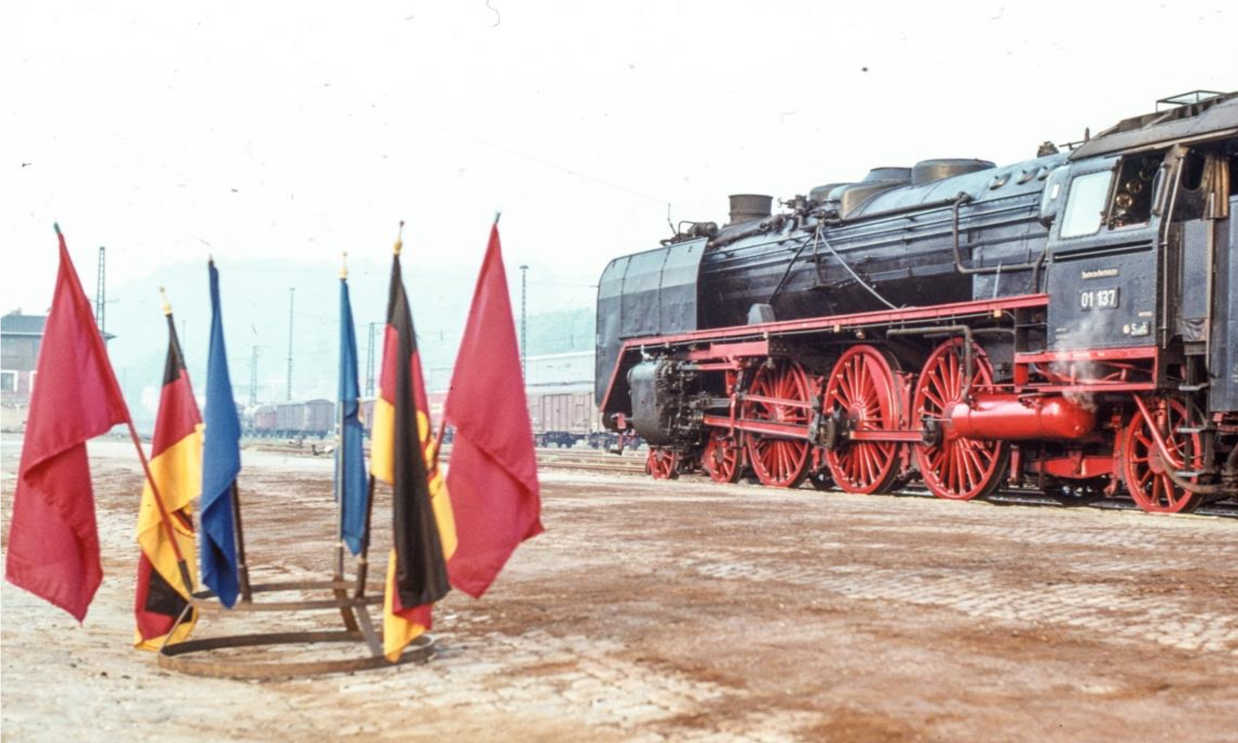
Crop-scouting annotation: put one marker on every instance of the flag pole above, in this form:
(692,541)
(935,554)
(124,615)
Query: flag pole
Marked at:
(246,592)
(339,453)
(363,561)
(341,593)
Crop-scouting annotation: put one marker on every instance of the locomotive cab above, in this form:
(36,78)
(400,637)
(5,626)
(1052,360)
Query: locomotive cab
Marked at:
(1132,234)
(1102,254)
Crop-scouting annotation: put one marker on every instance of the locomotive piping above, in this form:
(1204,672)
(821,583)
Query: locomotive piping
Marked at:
(791,264)
(817,239)
(961,199)
(851,271)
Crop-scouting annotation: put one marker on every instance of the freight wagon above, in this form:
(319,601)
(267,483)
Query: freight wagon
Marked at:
(309,418)
(565,417)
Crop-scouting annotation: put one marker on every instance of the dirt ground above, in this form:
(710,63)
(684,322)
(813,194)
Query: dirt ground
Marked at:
(690,611)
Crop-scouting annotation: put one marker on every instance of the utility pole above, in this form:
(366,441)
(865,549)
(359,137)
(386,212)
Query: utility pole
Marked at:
(291,294)
(100,291)
(524,321)
(253,376)
(369,363)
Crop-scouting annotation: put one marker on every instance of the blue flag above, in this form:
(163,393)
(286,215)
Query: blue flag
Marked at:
(350,477)
(221,461)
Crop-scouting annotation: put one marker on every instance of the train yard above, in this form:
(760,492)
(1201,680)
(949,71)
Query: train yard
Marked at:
(640,615)
(634,463)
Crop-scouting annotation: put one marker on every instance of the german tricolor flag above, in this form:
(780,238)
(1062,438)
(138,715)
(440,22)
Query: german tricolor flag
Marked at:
(176,467)
(403,454)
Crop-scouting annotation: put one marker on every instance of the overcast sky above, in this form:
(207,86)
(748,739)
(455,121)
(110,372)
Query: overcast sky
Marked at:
(168,131)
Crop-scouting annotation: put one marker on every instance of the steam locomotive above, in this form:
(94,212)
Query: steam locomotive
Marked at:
(1068,322)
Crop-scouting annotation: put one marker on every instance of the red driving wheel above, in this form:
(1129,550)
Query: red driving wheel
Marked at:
(780,462)
(662,463)
(1144,467)
(722,458)
(957,468)
(863,391)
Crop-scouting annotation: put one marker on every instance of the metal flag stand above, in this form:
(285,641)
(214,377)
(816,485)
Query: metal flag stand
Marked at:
(352,598)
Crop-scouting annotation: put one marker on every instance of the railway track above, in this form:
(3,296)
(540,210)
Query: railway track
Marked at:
(596,461)
(589,460)
(592,461)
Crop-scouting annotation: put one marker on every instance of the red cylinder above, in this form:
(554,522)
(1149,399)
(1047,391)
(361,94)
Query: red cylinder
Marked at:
(1008,417)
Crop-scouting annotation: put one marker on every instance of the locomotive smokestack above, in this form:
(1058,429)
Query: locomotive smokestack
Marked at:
(749,206)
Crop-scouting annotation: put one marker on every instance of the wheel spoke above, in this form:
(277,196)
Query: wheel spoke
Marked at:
(971,468)
(874,465)
(956,470)
(952,364)
(944,388)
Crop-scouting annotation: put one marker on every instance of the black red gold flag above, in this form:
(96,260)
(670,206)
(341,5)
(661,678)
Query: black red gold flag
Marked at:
(402,454)
(176,467)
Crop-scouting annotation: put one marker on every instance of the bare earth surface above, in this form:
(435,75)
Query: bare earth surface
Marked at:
(689,611)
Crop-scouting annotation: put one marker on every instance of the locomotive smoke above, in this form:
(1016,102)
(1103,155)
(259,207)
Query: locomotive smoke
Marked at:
(1088,334)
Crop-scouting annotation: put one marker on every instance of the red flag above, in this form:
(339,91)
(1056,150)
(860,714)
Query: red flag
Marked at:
(492,474)
(53,541)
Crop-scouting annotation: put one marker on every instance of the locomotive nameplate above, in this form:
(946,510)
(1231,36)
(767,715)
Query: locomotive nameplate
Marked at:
(1098,299)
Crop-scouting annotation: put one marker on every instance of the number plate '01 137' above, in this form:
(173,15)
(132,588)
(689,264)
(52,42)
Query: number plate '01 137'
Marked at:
(1098,299)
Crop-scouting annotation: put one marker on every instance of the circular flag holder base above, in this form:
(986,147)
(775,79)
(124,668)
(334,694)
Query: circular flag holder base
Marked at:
(194,657)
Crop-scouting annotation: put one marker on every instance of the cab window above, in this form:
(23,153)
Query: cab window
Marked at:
(1132,198)
(1085,205)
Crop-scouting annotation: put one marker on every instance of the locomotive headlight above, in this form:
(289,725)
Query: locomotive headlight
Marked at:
(1123,200)
(1133,186)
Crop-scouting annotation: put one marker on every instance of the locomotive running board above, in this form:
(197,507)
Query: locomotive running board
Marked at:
(729,340)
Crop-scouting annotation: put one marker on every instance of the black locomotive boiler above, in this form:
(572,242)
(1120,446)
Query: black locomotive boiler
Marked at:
(1070,322)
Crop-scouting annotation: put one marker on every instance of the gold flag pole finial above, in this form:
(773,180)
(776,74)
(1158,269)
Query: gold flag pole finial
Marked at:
(399,239)
(167,306)
(344,265)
